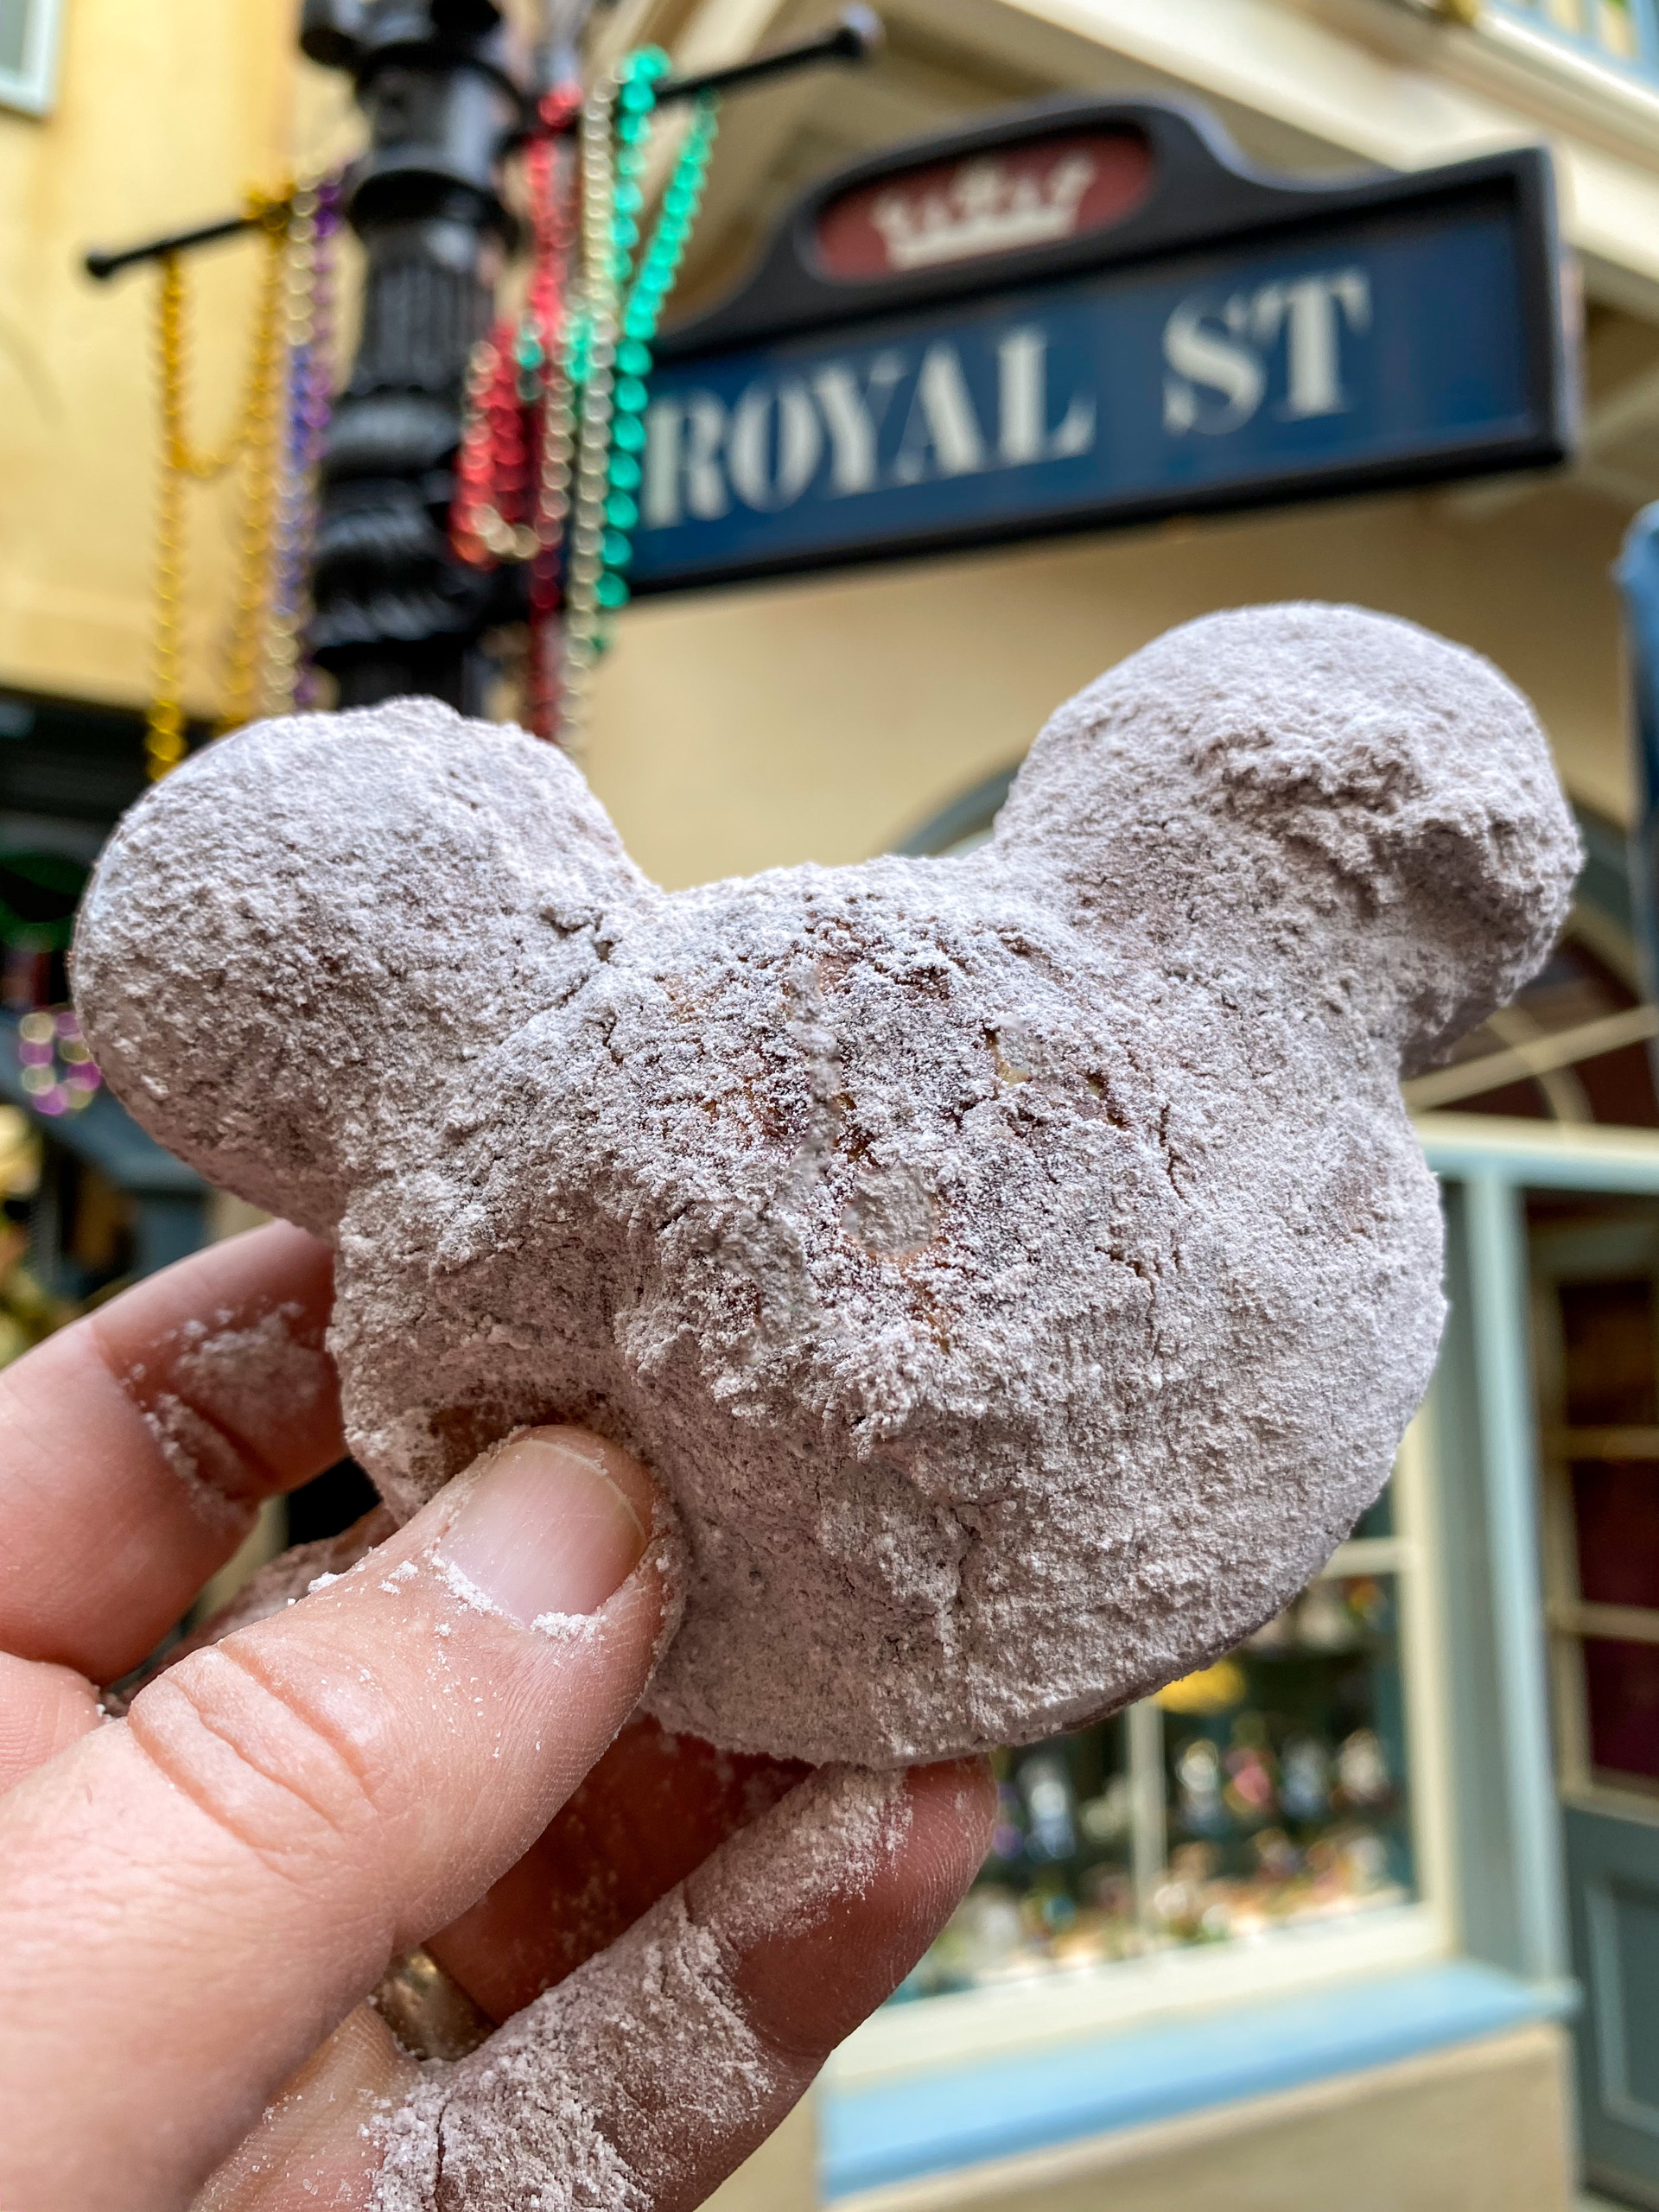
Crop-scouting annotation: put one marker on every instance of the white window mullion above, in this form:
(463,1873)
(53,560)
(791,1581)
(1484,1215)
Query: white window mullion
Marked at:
(1150,1803)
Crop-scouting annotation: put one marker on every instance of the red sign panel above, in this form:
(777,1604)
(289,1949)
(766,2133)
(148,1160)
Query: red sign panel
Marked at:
(991,204)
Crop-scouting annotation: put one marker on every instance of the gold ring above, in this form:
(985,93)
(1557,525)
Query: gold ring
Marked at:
(429,2011)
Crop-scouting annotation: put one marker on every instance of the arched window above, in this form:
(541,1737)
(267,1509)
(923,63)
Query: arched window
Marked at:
(1573,1047)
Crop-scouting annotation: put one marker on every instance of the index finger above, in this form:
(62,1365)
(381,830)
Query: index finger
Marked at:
(136,1446)
(646,1817)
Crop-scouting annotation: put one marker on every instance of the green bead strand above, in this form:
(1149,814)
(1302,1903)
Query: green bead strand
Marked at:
(609,357)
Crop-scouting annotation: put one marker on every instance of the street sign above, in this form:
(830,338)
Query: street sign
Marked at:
(1083,314)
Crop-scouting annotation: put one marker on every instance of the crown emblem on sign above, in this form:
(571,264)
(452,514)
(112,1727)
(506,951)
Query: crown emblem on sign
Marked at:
(988,207)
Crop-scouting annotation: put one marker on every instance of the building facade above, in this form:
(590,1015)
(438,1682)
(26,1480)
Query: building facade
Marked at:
(1364,1914)
(1367,1911)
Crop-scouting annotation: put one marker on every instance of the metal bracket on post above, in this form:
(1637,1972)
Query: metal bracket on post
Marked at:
(858,35)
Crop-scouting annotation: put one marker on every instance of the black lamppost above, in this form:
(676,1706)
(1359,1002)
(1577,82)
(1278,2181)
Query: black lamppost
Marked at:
(445,94)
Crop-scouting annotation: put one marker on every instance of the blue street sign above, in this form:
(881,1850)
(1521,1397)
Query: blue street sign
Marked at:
(1035,382)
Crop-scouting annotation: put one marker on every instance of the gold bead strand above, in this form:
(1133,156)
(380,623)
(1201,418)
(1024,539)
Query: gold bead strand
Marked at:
(256,528)
(164,735)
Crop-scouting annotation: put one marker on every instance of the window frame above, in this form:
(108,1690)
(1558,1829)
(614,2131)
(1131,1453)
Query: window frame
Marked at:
(1572,1621)
(32,89)
(938,2030)
(1533,18)
(932,2032)
(1563,77)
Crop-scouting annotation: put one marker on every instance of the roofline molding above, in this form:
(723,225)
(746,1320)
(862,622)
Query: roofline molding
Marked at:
(1363,77)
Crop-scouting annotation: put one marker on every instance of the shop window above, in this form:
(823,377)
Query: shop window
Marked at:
(1621,32)
(1272,1791)
(29,53)
(1596,1315)
(1286,1788)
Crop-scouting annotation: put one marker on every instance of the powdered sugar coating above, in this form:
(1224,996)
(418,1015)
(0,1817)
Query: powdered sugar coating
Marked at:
(225,1378)
(612,2088)
(1019,1268)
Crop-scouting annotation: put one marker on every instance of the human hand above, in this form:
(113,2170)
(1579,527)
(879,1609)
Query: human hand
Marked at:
(195,1902)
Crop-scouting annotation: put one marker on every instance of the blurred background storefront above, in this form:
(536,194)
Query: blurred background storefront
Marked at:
(1368,1912)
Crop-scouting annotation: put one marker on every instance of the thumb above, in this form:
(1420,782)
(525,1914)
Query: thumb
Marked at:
(191,1901)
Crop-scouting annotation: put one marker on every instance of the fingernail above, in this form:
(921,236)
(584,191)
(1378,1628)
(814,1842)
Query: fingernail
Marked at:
(556,1524)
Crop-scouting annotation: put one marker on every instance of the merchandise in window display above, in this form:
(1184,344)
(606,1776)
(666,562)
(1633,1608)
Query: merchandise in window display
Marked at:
(1019,1268)
(1285,1802)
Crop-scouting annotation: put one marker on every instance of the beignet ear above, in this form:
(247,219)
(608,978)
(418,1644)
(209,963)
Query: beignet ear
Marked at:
(1373,806)
(291,948)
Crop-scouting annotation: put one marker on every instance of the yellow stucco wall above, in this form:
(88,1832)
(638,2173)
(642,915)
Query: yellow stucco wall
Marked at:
(822,720)
(165,113)
(731,732)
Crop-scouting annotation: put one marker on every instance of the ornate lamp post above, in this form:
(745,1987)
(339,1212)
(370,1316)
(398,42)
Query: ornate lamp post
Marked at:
(445,93)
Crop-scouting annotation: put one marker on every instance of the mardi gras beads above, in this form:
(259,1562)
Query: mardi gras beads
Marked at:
(290,680)
(612,124)
(613,373)
(183,463)
(277,448)
(262,474)
(550,463)
(57,1069)
(506,506)
(635,359)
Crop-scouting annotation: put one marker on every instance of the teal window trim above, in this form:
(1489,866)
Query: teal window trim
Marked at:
(1484,1392)
(1487,1166)
(1540,1155)
(882,2133)
(879,2134)
(1496,1221)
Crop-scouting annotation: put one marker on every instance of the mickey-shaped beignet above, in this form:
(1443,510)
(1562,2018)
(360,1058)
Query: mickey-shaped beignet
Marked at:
(1019,1267)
